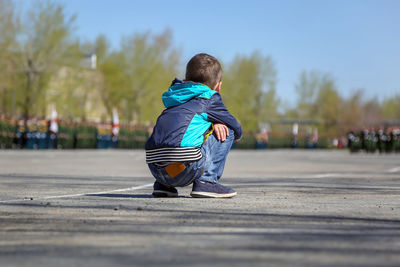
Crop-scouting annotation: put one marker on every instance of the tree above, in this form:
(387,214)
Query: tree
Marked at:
(110,79)
(307,91)
(371,113)
(248,89)
(114,81)
(391,108)
(327,106)
(150,65)
(9,26)
(350,112)
(318,99)
(43,46)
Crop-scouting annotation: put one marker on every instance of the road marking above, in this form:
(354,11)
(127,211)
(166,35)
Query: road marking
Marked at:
(393,170)
(80,195)
(324,175)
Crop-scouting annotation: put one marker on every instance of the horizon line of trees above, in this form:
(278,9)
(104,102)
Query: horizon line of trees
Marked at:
(41,61)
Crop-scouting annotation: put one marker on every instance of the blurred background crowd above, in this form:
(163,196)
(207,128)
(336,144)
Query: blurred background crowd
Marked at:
(39,133)
(370,140)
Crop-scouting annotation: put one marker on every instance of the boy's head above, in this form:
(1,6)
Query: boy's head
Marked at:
(203,68)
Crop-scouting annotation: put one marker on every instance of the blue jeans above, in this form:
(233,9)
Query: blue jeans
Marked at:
(209,168)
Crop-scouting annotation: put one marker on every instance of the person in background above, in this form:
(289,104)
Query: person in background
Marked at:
(20,132)
(314,139)
(262,139)
(382,138)
(115,129)
(31,133)
(363,138)
(53,128)
(295,131)
(42,134)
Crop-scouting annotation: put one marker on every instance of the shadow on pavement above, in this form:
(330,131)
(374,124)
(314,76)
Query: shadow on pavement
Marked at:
(126,196)
(121,195)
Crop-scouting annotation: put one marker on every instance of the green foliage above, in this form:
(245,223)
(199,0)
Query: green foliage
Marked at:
(307,91)
(372,112)
(391,107)
(319,100)
(134,77)
(8,27)
(32,46)
(151,65)
(248,90)
(351,112)
(328,107)
(43,48)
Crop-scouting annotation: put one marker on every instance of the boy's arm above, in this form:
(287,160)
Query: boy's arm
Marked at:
(217,113)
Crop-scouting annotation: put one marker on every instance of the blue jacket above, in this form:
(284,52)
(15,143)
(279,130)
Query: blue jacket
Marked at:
(191,108)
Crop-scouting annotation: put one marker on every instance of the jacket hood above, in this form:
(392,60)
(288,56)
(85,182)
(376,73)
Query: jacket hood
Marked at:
(180,92)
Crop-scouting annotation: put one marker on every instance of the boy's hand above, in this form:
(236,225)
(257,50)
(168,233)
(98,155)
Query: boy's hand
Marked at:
(221,130)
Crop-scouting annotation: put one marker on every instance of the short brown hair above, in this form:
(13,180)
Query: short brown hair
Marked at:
(203,68)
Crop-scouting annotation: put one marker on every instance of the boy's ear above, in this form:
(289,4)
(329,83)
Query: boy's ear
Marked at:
(218,86)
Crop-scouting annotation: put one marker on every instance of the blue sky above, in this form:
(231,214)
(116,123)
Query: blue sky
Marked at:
(355,41)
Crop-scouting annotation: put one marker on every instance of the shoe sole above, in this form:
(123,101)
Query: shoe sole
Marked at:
(212,195)
(161,193)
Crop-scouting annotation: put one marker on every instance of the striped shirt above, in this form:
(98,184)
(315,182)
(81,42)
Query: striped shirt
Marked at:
(173,154)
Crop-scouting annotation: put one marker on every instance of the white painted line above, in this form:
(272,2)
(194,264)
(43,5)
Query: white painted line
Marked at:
(324,175)
(319,175)
(82,194)
(393,170)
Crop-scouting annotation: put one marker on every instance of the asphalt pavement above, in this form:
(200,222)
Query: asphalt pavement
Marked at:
(293,208)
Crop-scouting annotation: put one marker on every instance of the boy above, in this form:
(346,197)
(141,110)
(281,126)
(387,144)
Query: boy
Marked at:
(193,135)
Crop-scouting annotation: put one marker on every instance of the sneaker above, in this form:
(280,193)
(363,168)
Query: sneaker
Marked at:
(161,190)
(206,189)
